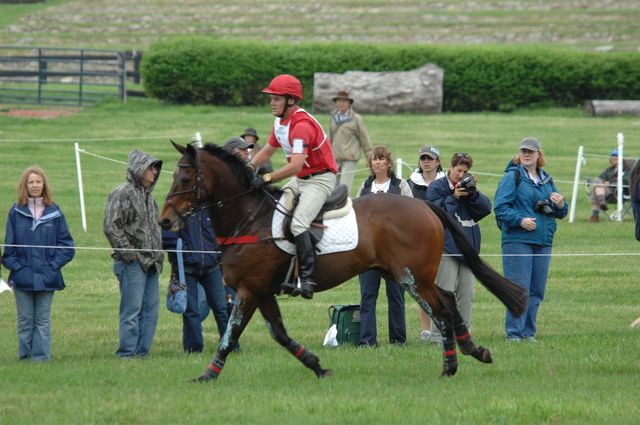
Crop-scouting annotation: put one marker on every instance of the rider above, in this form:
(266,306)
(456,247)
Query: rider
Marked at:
(309,158)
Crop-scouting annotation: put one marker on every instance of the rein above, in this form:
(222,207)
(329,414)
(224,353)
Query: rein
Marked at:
(235,238)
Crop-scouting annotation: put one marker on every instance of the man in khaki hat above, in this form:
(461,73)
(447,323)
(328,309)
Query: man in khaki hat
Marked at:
(348,135)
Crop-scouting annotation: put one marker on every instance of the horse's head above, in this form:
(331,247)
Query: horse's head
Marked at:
(187,192)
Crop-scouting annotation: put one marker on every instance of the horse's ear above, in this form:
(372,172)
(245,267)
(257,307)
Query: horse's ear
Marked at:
(177,146)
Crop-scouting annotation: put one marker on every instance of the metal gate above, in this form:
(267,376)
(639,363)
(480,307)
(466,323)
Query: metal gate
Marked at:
(61,76)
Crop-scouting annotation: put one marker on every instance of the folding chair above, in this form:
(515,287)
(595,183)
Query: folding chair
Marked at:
(626,202)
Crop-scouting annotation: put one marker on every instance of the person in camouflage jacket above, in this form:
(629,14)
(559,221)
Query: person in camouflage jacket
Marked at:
(131,226)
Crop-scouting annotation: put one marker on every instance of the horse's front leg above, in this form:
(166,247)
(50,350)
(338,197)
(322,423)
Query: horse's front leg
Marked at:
(271,313)
(243,309)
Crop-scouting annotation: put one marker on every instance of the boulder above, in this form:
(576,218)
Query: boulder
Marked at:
(419,90)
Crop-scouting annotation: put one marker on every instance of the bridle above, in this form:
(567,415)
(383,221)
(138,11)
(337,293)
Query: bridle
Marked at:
(199,183)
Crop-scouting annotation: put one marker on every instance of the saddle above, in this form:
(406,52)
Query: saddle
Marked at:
(337,205)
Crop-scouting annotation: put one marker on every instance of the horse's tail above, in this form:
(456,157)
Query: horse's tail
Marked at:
(514,297)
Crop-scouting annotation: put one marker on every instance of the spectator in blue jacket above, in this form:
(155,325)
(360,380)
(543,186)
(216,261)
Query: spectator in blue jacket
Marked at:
(201,267)
(35,271)
(527,204)
(458,195)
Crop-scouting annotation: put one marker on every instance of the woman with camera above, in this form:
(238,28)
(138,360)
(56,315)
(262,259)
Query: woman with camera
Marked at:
(458,195)
(527,205)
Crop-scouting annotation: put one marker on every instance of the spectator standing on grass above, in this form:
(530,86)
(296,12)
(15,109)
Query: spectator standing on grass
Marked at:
(458,195)
(527,204)
(381,180)
(428,170)
(201,267)
(37,245)
(251,136)
(349,136)
(131,226)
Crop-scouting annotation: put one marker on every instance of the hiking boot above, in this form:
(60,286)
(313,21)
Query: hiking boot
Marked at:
(306,261)
(594,219)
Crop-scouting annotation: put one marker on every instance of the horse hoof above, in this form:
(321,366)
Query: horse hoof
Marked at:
(449,369)
(205,377)
(325,373)
(483,355)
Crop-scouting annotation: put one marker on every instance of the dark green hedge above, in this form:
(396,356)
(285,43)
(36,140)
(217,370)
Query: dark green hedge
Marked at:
(221,72)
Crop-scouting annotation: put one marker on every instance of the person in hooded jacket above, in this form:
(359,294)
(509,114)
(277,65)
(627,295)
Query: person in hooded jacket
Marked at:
(526,205)
(35,271)
(428,170)
(467,205)
(131,226)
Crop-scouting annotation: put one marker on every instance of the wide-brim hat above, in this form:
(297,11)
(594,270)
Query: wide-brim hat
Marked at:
(430,151)
(250,132)
(343,95)
(237,142)
(530,143)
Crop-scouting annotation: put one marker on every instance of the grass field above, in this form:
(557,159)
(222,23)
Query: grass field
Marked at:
(124,24)
(584,369)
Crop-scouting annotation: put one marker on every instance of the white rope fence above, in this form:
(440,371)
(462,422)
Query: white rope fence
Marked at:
(93,248)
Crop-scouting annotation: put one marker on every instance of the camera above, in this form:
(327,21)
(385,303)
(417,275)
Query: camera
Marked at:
(468,183)
(545,208)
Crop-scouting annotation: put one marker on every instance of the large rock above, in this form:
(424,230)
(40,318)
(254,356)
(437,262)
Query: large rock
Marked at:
(419,90)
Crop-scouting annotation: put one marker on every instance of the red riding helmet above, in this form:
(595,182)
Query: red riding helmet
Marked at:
(285,85)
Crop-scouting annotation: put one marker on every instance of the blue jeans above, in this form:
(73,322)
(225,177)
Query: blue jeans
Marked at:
(216,297)
(528,269)
(369,288)
(33,310)
(139,300)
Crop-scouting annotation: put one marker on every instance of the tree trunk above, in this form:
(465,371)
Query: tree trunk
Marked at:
(604,108)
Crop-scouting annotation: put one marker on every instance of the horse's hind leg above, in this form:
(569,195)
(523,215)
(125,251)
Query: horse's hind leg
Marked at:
(271,312)
(243,309)
(462,335)
(443,320)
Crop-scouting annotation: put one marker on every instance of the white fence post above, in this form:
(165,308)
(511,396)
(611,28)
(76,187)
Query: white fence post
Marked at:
(83,213)
(617,215)
(576,184)
(399,168)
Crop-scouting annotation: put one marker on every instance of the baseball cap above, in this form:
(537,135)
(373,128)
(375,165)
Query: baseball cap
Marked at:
(530,143)
(429,150)
(237,142)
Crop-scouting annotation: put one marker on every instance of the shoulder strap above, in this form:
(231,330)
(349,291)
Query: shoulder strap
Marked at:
(517,176)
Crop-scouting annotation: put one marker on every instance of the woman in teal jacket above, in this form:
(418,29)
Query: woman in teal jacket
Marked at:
(38,244)
(526,206)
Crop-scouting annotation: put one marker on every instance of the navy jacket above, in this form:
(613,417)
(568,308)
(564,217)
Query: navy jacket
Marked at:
(468,211)
(197,235)
(513,203)
(37,269)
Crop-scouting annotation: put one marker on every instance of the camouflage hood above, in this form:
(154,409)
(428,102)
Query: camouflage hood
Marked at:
(131,216)
(138,163)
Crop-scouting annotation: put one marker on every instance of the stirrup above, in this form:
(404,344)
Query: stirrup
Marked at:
(304,288)
(288,288)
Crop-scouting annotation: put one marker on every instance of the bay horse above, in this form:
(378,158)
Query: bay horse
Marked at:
(401,237)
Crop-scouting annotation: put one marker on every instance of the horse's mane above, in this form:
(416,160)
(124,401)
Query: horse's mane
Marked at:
(237,165)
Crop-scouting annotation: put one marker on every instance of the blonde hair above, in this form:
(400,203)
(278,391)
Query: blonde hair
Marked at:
(539,163)
(23,191)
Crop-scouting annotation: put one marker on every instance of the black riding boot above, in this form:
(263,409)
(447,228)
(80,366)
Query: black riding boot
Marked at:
(306,262)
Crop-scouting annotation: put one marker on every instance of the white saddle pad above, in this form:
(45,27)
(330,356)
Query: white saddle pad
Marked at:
(340,234)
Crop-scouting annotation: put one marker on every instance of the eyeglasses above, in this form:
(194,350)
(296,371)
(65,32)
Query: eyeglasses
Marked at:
(461,155)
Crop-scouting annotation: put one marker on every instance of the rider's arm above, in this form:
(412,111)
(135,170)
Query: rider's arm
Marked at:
(294,165)
(263,156)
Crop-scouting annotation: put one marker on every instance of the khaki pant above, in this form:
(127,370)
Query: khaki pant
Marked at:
(347,170)
(456,277)
(313,192)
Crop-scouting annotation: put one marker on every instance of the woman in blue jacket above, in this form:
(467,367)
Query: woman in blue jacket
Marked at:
(36,221)
(526,206)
